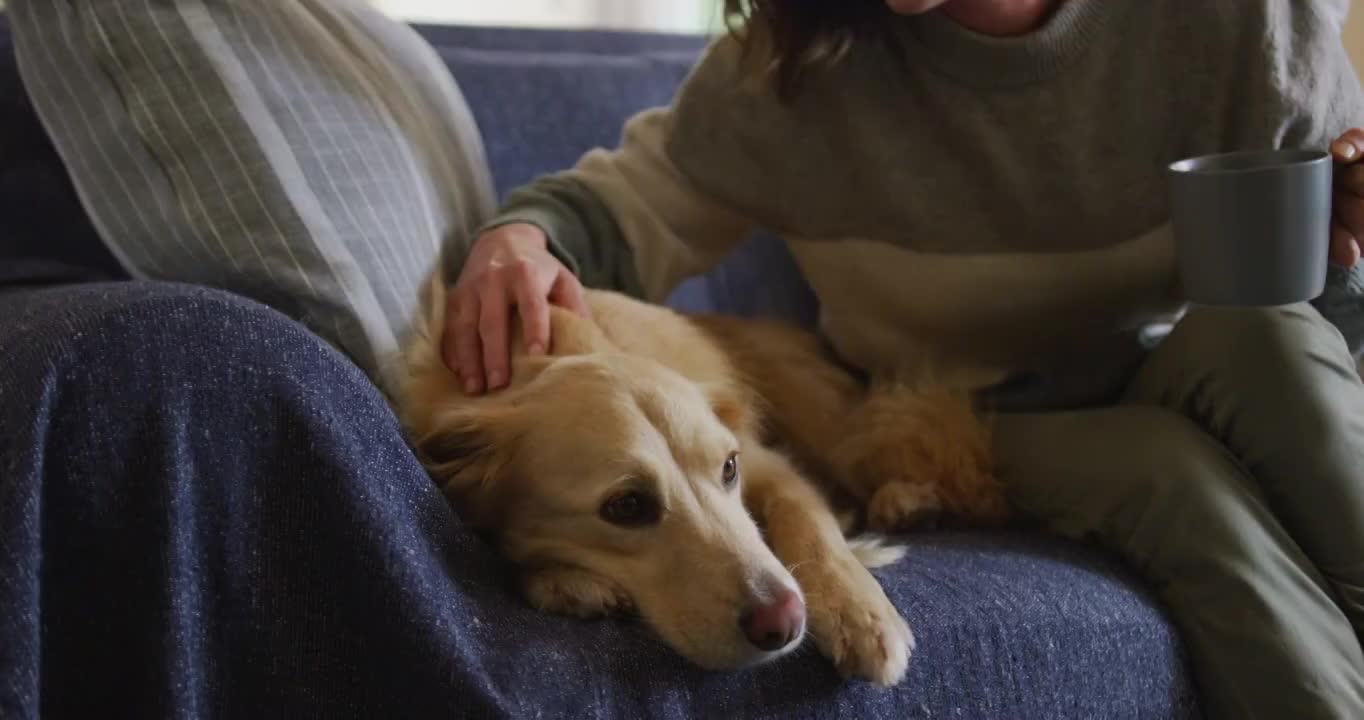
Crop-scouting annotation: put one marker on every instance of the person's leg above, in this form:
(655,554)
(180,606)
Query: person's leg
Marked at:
(1280,390)
(1264,635)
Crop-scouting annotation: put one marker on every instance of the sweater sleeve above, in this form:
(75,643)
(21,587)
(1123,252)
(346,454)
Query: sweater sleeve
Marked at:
(1316,81)
(1343,305)
(581,231)
(1310,71)
(1337,104)
(627,219)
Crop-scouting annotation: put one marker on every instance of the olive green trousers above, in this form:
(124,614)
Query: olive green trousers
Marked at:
(1231,475)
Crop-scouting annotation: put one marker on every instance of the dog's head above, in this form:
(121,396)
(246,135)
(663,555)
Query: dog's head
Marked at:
(623,471)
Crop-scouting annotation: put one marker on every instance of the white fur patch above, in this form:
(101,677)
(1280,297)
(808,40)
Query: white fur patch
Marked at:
(874,552)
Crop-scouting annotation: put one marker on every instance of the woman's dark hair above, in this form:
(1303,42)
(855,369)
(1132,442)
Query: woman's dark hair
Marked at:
(790,39)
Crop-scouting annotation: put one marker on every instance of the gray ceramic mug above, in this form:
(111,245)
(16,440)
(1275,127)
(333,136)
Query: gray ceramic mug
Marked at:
(1252,228)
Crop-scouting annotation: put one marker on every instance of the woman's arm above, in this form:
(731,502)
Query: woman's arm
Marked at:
(627,219)
(623,219)
(1321,90)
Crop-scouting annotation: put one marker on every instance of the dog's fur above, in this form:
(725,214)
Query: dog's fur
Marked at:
(642,399)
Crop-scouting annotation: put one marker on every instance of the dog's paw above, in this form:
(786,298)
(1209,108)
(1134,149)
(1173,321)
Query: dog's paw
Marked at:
(872,642)
(855,625)
(926,436)
(574,592)
(902,506)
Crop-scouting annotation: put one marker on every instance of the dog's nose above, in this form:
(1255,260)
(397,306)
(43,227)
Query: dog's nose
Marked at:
(772,626)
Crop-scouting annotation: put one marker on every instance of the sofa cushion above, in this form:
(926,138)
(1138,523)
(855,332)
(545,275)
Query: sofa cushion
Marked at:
(313,156)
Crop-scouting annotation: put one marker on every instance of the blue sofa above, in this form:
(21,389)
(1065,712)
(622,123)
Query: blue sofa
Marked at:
(359,593)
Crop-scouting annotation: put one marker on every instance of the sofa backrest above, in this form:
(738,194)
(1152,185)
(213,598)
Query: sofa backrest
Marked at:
(541,98)
(541,101)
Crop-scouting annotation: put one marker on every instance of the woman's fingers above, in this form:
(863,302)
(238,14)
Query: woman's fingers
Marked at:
(463,331)
(493,331)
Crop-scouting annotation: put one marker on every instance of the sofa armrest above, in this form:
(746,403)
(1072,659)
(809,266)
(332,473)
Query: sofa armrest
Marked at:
(103,361)
(143,327)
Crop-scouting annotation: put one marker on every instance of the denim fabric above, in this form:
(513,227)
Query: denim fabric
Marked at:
(205,510)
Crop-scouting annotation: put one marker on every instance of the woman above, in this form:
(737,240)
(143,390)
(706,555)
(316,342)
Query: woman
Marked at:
(978,184)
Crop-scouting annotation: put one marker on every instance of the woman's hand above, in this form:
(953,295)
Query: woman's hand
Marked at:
(1347,227)
(508,267)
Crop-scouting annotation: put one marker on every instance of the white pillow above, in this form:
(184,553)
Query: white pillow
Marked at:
(313,154)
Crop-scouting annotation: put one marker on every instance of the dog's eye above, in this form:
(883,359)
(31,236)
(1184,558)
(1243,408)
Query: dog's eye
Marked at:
(730,474)
(631,509)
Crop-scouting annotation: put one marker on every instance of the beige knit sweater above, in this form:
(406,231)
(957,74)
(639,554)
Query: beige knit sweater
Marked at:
(990,207)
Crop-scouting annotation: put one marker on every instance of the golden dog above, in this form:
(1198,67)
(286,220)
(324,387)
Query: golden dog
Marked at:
(683,468)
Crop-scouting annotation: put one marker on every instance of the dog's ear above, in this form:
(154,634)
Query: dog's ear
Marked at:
(526,368)
(732,404)
(468,448)
(573,334)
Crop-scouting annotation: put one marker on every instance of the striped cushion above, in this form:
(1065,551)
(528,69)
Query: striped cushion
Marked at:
(311,154)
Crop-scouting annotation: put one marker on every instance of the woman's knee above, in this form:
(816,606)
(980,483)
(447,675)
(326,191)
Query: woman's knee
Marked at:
(1256,340)
(1271,371)
(1135,476)
(1177,502)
